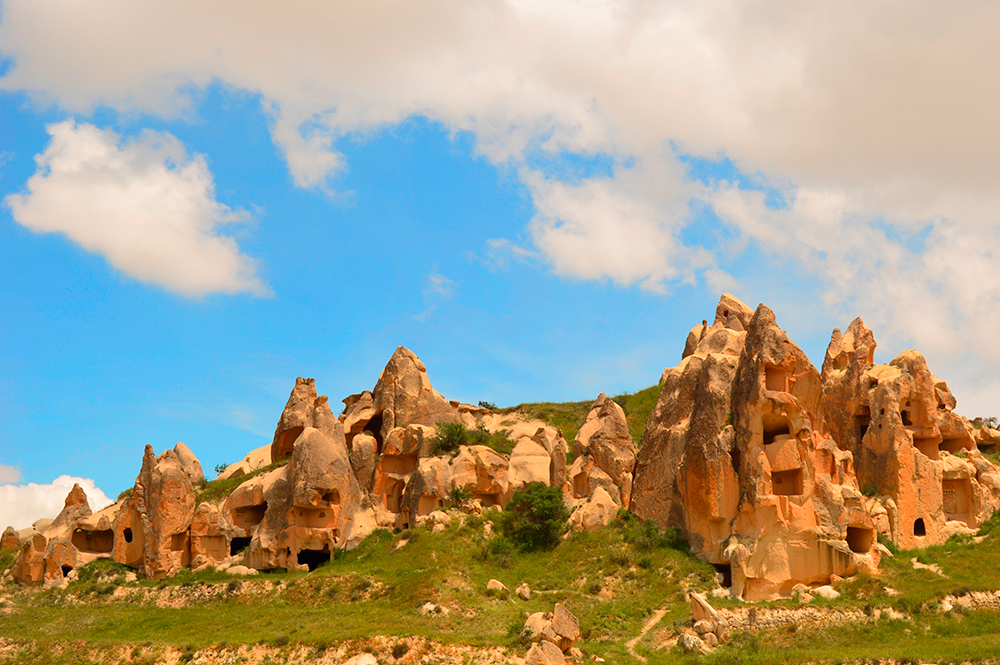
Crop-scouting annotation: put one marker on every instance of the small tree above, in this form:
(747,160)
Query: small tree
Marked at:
(534,517)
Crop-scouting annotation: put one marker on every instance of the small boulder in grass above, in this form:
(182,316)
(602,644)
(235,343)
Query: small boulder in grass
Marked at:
(497,588)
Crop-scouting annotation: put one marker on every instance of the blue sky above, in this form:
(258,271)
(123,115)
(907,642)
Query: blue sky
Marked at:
(539,200)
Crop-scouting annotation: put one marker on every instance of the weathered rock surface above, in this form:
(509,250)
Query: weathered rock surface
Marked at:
(604,443)
(9,538)
(737,455)
(910,449)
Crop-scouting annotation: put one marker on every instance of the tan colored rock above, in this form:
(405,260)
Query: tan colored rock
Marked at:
(403,396)
(566,627)
(211,536)
(255,459)
(909,447)
(605,438)
(544,653)
(151,526)
(29,569)
(304,409)
(737,455)
(523,591)
(9,539)
(599,510)
(692,644)
(363,451)
(497,587)
(190,464)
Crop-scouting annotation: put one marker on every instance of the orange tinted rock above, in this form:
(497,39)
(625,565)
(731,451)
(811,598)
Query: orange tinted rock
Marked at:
(9,538)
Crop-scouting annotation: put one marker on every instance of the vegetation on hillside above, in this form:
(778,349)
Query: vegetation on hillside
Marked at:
(216,490)
(613,579)
(570,416)
(450,436)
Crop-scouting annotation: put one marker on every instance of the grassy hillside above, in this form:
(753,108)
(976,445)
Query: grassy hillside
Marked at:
(570,416)
(613,580)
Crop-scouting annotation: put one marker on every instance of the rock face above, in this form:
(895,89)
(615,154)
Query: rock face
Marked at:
(752,454)
(604,451)
(916,457)
(737,456)
(74,538)
(9,539)
(304,409)
(151,529)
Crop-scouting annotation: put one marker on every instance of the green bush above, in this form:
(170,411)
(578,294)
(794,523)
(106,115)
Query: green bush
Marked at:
(534,517)
(452,435)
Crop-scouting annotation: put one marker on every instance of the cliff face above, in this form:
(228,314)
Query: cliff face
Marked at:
(777,474)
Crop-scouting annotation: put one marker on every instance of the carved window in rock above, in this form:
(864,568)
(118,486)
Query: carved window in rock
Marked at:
(862,420)
(919,528)
(774,426)
(928,446)
(314,558)
(956,499)
(237,545)
(860,539)
(332,497)
(247,517)
(776,378)
(286,442)
(956,444)
(179,541)
(725,571)
(94,542)
(316,518)
(581,485)
(787,483)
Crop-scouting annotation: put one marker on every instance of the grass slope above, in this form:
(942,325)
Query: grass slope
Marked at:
(570,416)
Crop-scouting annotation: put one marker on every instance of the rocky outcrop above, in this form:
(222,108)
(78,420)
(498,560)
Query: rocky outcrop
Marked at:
(913,454)
(304,409)
(74,538)
(604,451)
(151,529)
(9,539)
(737,456)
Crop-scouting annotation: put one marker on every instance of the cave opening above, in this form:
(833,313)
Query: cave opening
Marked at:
(774,427)
(725,570)
(787,483)
(237,545)
(314,558)
(286,442)
(859,539)
(919,529)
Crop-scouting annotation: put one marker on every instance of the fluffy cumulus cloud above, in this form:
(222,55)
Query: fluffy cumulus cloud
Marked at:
(22,505)
(9,474)
(144,204)
(875,120)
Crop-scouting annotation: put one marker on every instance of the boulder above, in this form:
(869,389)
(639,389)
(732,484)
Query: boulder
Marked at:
(9,539)
(523,591)
(599,510)
(497,588)
(257,458)
(606,439)
(544,653)
(566,627)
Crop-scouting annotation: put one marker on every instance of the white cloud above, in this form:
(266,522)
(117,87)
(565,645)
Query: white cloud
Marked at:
(143,204)
(878,120)
(9,474)
(21,505)
(437,290)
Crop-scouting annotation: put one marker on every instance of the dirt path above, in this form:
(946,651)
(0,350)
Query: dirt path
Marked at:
(646,627)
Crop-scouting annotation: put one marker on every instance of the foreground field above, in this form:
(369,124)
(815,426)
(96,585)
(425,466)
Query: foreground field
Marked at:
(375,599)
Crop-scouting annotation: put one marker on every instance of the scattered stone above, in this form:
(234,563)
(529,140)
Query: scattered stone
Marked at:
(497,588)
(544,653)
(693,644)
(826,591)
(524,591)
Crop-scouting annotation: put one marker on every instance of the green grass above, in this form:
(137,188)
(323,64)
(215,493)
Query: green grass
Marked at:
(570,416)
(612,579)
(217,490)
(375,589)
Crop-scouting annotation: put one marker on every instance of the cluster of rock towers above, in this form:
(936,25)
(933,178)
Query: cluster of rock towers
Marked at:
(778,474)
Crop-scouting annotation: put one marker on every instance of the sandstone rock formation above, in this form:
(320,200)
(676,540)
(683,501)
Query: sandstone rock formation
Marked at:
(917,458)
(736,454)
(9,539)
(604,453)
